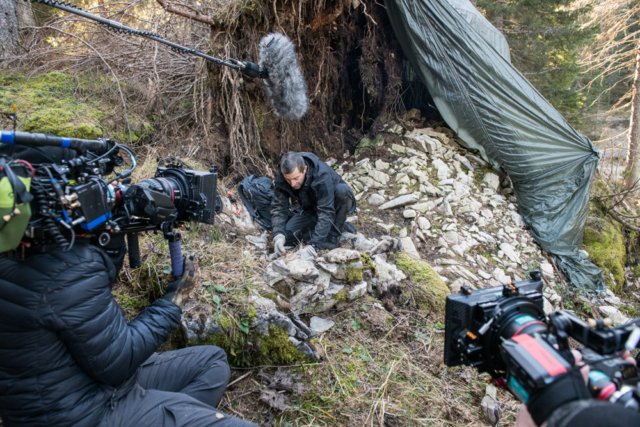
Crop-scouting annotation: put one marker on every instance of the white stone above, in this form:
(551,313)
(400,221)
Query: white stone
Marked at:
(259,241)
(382,165)
(461,190)
(452,237)
(357,291)
(379,176)
(612,313)
(510,252)
(492,181)
(341,255)
(424,223)
(375,199)
(443,170)
(424,207)
(547,269)
(399,148)
(409,248)
(321,325)
(303,270)
(402,233)
(499,275)
(400,201)
(409,213)
(486,213)
(484,275)
(387,227)
(615,301)
(517,219)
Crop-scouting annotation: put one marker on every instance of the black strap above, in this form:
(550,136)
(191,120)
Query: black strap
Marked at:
(246,202)
(563,389)
(20,194)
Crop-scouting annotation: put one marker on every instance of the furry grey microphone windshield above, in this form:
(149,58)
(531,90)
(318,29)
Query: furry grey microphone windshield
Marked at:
(284,84)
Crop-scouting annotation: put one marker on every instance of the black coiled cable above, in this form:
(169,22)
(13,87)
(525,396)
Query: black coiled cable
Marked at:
(50,226)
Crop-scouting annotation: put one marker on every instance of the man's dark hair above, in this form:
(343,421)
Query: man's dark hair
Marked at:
(290,162)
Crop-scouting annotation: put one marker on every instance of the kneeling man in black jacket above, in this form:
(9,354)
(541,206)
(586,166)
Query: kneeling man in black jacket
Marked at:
(323,200)
(69,358)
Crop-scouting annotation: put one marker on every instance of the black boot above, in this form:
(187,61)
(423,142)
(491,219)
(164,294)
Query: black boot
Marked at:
(331,242)
(349,228)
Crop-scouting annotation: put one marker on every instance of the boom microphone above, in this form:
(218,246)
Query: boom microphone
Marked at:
(284,83)
(278,66)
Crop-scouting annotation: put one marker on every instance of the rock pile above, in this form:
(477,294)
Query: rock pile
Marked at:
(340,275)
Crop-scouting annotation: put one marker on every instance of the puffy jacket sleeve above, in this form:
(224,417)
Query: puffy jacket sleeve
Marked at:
(84,314)
(279,211)
(323,188)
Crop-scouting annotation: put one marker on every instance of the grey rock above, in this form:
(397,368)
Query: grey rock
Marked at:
(375,199)
(547,269)
(357,291)
(382,165)
(362,244)
(379,176)
(452,237)
(387,246)
(424,207)
(320,325)
(303,270)
(259,241)
(409,248)
(400,201)
(341,255)
(272,276)
(409,213)
(424,223)
(492,181)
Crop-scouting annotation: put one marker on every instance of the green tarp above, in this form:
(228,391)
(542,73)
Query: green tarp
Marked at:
(495,110)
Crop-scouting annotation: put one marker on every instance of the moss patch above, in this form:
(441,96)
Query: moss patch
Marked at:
(354,273)
(49,104)
(256,349)
(431,291)
(63,105)
(605,243)
(341,296)
(277,349)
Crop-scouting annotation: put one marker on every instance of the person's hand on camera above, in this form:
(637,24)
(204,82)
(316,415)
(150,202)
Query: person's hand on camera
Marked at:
(178,291)
(524,417)
(307,254)
(278,245)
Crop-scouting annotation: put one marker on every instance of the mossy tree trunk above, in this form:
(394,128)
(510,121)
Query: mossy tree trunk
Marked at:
(8,28)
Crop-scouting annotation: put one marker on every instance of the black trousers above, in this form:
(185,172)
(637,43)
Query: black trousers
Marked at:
(177,389)
(301,226)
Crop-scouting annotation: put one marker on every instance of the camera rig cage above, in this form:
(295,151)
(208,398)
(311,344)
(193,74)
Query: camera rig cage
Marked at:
(86,197)
(504,331)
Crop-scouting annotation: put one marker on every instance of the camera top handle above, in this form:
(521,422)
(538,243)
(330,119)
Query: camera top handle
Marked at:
(99,146)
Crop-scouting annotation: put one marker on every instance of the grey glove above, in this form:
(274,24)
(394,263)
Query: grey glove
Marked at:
(307,254)
(278,244)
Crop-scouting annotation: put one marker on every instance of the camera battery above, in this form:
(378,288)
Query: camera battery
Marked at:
(532,364)
(92,204)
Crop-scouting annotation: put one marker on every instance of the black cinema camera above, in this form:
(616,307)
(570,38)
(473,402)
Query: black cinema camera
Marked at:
(84,196)
(503,331)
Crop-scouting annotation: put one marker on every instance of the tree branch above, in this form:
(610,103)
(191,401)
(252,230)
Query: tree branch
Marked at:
(615,216)
(196,15)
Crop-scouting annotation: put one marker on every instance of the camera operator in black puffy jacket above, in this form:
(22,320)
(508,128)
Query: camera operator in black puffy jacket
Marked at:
(69,358)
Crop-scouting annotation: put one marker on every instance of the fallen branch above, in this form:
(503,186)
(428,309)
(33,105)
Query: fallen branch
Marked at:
(196,15)
(617,217)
